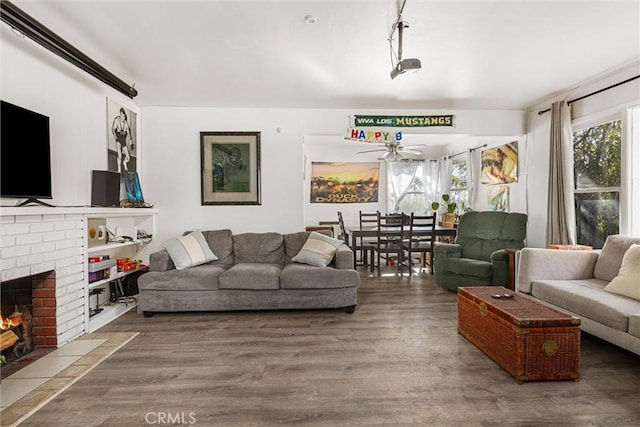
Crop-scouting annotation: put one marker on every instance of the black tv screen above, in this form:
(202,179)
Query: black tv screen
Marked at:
(25,153)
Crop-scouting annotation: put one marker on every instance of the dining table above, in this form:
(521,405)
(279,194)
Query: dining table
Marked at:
(357,231)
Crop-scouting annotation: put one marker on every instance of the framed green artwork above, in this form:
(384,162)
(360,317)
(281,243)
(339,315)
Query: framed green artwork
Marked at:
(230,168)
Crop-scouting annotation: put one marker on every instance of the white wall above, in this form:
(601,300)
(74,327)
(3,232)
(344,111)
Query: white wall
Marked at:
(171,155)
(76,104)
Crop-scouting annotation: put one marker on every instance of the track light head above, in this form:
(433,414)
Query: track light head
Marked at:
(409,64)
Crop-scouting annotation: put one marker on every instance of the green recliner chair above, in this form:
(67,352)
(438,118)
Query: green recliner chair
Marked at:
(478,256)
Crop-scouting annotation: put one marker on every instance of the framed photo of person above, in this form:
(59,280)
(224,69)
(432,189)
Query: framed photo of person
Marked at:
(122,138)
(230,168)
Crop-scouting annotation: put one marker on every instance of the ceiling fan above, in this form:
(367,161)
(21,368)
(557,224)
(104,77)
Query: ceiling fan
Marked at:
(394,151)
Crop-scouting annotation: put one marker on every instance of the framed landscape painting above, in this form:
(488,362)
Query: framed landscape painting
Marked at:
(354,182)
(230,168)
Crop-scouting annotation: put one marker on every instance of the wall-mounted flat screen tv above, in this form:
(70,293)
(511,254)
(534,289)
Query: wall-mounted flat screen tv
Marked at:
(25,154)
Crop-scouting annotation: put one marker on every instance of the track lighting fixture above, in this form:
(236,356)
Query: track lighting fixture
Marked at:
(402,65)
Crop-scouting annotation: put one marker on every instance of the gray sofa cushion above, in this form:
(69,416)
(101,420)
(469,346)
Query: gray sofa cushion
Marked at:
(202,277)
(259,248)
(300,276)
(587,299)
(259,276)
(221,244)
(610,258)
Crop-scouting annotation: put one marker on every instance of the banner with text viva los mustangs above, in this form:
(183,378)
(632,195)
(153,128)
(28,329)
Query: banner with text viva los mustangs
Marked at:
(405,121)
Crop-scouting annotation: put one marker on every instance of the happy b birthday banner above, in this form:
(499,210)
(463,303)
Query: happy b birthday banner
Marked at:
(373,135)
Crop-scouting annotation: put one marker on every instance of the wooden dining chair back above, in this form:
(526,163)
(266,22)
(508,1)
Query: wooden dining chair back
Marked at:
(367,219)
(419,240)
(389,236)
(448,221)
(343,230)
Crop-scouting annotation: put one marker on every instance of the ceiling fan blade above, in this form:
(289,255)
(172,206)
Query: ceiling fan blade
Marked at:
(415,146)
(417,153)
(369,151)
(385,155)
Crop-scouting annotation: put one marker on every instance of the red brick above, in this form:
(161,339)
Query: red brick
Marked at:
(46,342)
(37,303)
(44,293)
(44,321)
(43,331)
(38,312)
(49,302)
(50,283)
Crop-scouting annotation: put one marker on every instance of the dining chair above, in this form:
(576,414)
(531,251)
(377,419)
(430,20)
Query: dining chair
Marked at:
(343,230)
(419,239)
(448,221)
(367,219)
(389,236)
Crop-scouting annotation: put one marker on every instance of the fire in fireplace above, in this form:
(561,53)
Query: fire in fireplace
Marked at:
(15,319)
(28,320)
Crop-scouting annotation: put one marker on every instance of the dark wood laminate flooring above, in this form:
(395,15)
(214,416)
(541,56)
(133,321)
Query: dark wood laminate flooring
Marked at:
(397,361)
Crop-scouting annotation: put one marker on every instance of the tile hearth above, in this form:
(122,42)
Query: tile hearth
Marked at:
(24,392)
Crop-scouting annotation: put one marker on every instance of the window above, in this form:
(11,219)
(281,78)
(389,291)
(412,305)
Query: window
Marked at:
(459,192)
(597,158)
(413,200)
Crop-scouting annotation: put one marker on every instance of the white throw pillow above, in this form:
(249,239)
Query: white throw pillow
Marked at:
(318,250)
(189,250)
(627,282)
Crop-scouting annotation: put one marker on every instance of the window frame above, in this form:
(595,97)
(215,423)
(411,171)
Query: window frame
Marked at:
(624,115)
(460,158)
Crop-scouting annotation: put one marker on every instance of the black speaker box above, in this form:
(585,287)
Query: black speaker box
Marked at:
(105,188)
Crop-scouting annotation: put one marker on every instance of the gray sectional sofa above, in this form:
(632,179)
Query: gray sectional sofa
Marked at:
(574,281)
(254,271)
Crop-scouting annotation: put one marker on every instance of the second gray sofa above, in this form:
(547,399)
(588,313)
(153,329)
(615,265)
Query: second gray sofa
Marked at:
(254,271)
(575,282)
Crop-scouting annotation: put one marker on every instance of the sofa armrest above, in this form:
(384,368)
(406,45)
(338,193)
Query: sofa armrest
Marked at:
(500,268)
(161,261)
(552,264)
(441,252)
(343,259)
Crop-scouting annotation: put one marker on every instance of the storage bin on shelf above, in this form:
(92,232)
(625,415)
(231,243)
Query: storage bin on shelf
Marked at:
(127,264)
(100,267)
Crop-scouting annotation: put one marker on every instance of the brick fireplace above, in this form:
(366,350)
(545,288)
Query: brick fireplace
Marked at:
(41,307)
(46,245)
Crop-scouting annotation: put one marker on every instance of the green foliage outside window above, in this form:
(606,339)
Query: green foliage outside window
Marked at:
(597,172)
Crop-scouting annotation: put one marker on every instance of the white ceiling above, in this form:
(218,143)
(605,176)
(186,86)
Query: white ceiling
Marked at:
(474,54)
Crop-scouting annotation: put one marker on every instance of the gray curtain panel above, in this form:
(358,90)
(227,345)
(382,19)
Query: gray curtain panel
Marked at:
(560,207)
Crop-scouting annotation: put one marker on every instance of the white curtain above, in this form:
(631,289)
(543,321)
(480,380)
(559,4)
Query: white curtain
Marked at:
(560,206)
(473,176)
(399,176)
(430,170)
(444,177)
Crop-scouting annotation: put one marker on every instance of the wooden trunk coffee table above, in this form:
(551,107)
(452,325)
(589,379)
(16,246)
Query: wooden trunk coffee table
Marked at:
(529,340)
